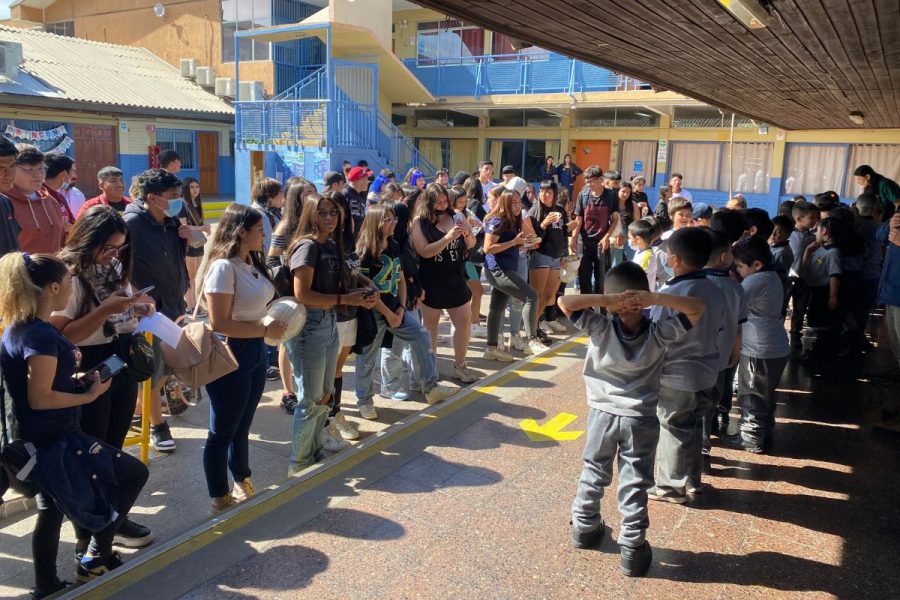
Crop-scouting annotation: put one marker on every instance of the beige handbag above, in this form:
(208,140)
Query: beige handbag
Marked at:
(200,357)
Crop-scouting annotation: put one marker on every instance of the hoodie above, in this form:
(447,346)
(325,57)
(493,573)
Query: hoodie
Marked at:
(40,222)
(9,228)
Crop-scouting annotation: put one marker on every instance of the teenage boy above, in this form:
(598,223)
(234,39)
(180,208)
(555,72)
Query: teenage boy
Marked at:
(677,190)
(59,168)
(681,213)
(334,181)
(650,259)
(595,217)
(9,227)
(691,366)
(764,347)
(42,229)
(159,246)
(700,214)
(713,401)
(806,216)
(170,161)
(621,374)
(355,193)
(485,172)
(111,182)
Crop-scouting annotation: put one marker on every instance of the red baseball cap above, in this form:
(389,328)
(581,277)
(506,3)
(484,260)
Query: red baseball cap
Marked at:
(356,173)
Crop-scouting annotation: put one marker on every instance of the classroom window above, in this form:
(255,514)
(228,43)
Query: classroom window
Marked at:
(435,151)
(752,164)
(244,15)
(66,28)
(883,158)
(634,152)
(697,162)
(525,156)
(813,168)
(179,140)
(449,39)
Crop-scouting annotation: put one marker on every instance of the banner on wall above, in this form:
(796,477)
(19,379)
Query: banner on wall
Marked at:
(62,147)
(36,136)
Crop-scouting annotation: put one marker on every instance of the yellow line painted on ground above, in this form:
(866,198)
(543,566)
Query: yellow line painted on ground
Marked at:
(114,582)
(552,429)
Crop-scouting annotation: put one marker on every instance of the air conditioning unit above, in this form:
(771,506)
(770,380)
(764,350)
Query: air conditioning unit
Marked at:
(10,58)
(225,87)
(206,76)
(188,67)
(252,91)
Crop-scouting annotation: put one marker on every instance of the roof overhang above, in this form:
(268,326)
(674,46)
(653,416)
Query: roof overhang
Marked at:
(351,42)
(39,4)
(112,110)
(816,62)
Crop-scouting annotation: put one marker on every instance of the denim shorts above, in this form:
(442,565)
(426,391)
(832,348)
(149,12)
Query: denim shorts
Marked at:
(537,260)
(471,272)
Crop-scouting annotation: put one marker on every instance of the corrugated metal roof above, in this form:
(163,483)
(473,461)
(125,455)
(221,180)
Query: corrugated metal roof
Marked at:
(81,70)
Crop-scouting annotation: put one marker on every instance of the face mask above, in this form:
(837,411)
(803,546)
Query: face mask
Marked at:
(175,206)
(66,185)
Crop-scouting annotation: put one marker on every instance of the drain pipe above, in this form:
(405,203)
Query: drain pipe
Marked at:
(731,160)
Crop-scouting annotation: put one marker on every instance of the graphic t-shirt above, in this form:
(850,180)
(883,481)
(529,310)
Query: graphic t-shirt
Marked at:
(103,285)
(384,271)
(324,259)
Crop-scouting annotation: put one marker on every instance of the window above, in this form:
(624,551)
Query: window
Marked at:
(66,28)
(752,164)
(706,116)
(530,117)
(632,153)
(812,169)
(503,45)
(698,162)
(179,140)
(525,156)
(450,39)
(437,152)
(884,158)
(617,116)
(243,15)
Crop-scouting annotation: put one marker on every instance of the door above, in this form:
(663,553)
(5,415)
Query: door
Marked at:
(95,148)
(590,152)
(208,156)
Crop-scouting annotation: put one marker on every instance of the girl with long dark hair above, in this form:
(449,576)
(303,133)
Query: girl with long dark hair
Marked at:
(192,216)
(567,172)
(551,225)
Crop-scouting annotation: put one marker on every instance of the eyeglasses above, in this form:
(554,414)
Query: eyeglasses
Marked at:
(32,171)
(110,249)
(389,220)
(327,214)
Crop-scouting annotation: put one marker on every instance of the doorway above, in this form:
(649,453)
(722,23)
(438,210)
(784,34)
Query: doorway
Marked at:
(208,158)
(95,148)
(591,152)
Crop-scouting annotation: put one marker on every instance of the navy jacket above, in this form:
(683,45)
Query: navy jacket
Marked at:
(889,287)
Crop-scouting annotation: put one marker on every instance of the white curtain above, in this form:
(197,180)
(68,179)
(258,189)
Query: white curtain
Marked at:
(463,156)
(752,165)
(431,151)
(551,148)
(698,163)
(814,169)
(496,157)
(884,158)
(638,151)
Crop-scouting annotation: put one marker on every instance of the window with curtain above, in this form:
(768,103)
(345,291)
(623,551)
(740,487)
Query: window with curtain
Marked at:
(633,151)
(450,39)
(434,151)
(697,162)
(463,156)
(752,165)
(812,169)
(551,148)
(179,140)
(884,158)
(495,155)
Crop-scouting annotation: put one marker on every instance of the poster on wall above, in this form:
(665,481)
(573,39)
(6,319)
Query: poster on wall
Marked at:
(311,165)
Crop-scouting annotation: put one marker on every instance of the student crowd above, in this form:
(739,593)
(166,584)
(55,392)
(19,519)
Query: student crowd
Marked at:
(370,265)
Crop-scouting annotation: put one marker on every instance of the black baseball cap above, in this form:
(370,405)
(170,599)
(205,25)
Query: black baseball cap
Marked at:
(460,178)
(508,170)
(332,177)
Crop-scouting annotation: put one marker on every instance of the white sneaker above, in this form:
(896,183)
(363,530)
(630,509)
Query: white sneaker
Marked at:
(499,355)
(344,427)
(536,346)
(479,331)
(464,374)
(330,441)
(555,326)
(517,342)
(439,392)
(367,411)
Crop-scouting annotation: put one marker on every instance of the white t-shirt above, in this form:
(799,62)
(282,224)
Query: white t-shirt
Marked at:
(251,290)
(684,194)
(74,198)
(486,189)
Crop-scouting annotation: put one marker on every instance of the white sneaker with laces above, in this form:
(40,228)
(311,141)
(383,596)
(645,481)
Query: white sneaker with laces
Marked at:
(517,342)
(536,346)
(439,392)
(344,427)
(499,355)
(464,374)
(556,326)
(367,411)
(479,331)
(330,440)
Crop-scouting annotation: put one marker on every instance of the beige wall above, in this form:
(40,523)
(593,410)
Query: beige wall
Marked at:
(135,139)
(372,14)
(189,29)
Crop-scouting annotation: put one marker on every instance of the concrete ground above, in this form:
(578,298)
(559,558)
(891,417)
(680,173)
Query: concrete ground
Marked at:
(459,501)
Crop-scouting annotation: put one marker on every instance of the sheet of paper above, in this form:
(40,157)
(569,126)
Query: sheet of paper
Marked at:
(162,327)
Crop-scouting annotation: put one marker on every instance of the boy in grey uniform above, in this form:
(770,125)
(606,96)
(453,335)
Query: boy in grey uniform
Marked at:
(692,365)
(712,402)
(821,268)
(621,374)
(764,347)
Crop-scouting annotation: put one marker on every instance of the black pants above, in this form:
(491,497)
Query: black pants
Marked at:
(131,475)
(108,417)
(592,267)
(800,304)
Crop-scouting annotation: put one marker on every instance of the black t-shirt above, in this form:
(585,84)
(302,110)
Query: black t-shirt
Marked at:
(384,271)
(39,338)
(324,259)
(357,209)
(119,206)
(554,242)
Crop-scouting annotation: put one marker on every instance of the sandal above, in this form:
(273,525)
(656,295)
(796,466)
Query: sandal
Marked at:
(176,400)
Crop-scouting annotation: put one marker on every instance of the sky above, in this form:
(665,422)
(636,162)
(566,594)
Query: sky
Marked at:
(4,8)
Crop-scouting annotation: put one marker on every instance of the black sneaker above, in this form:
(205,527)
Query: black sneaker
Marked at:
(584,540)
(707,465)
(635,562)
(544,337)
(289,403)
(38,593)
(94,567)
(161,438)
(133,535)
(738,441)
(273,374)
(81,547)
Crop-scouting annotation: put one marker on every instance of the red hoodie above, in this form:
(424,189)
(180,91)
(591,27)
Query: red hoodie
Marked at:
(64,212)
(40,220)
(100,200)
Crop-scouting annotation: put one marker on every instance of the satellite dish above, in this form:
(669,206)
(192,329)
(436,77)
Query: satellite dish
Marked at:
(159,10)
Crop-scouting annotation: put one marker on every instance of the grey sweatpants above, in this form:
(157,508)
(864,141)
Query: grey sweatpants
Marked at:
(633,440)
(757,380)
(679,439)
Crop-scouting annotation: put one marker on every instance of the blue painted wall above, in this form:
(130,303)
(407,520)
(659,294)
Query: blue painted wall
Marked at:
(226,175)
(131,165)
(242,176)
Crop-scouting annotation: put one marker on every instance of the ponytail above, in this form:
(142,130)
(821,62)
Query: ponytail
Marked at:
(22,280)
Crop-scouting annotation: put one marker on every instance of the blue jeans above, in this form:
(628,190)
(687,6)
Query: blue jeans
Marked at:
(516,306)
(411,332)
(232,404)
(396,368)
(313,355)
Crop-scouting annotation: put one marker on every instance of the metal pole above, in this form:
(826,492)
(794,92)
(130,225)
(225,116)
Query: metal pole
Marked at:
(731,160)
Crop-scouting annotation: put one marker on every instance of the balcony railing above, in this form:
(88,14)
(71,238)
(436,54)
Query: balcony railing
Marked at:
(294,123)
(538,73)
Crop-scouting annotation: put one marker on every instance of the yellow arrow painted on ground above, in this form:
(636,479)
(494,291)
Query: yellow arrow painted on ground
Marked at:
(551,430)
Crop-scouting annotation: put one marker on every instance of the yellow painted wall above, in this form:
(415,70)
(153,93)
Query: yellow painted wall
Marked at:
(136,138)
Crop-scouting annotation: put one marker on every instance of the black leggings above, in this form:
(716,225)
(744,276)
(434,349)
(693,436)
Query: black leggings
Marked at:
(131,475)
(592,267)
(108,417)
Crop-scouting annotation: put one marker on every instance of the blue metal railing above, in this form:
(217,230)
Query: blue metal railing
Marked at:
(313,87)
(401,151)
(496,74)
(293,123)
